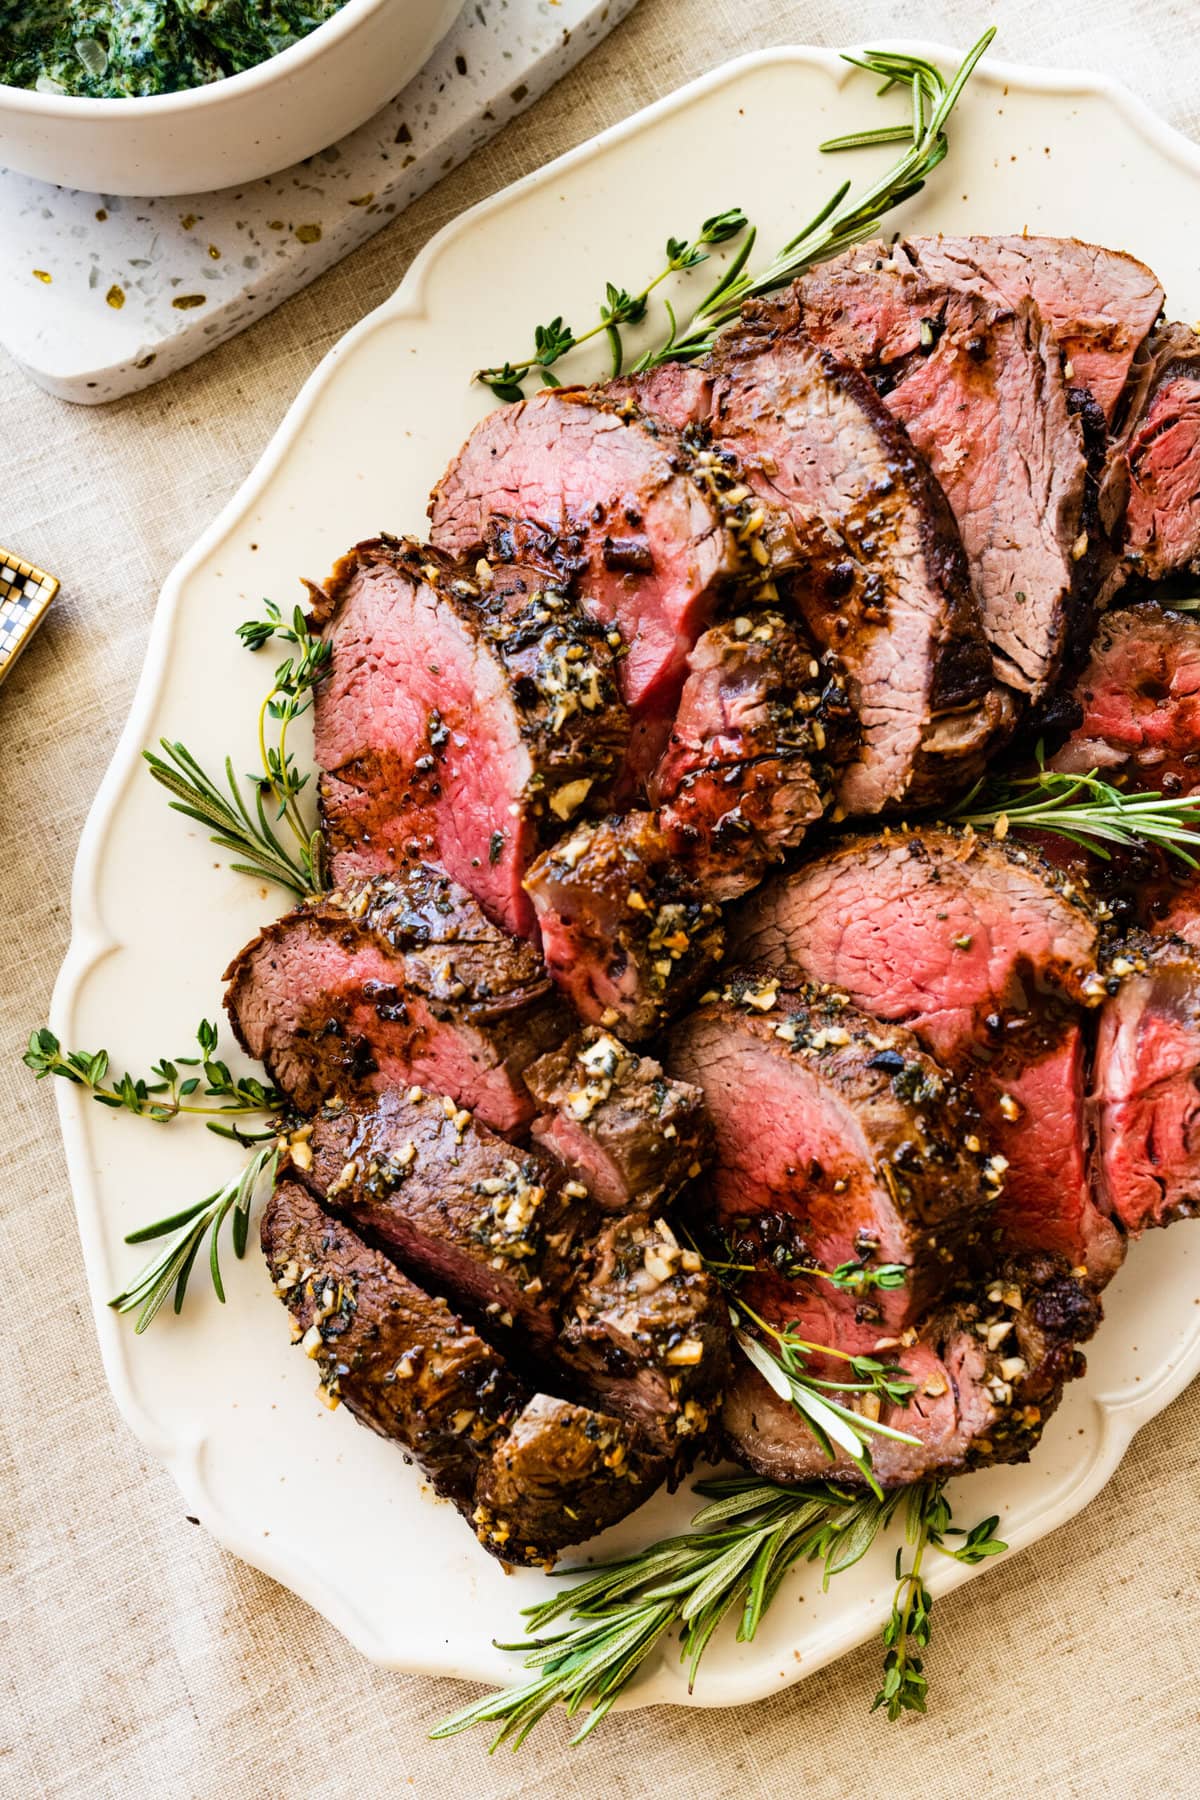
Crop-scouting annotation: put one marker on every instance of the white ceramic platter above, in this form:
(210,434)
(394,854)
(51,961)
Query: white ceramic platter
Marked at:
(218,1394)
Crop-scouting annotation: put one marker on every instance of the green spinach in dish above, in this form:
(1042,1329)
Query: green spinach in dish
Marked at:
(118,49)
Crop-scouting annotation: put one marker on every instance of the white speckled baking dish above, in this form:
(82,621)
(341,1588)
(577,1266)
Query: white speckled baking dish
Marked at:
(233,130)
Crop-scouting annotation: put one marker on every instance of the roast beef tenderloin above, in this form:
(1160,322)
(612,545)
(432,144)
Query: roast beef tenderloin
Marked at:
(762,723)
(459,724)
(979,387)
(838,1141)
(1144,1104)
(531,1473)
(392,980)
(626,935)
(989,955)
(617,1123)
(988,1371)
(885,583)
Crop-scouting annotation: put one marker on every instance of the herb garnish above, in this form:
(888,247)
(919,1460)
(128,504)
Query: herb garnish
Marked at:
(907,1632)
(845,219)
(1086,810)
(741,1547)
(169,1092)
(170,1268)
(783,1365)
(245,828)
(619,307)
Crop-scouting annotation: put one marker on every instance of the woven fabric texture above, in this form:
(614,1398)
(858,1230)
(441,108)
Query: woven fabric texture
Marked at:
(136,1658)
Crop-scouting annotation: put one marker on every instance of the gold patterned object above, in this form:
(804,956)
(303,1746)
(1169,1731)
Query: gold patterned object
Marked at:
(25,596)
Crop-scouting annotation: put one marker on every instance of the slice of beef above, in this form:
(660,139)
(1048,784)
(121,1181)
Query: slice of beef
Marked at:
(979,387)
(1144,1103)
(988,954)
(885,584)
(626,935)
(459,724)
(618,1124)
(838,1140)
(748,768)
(647,1329)
(394,980)
(989,1371)
(1160,445)
(639,1325)
(461,1209)
(1139,695)
(616,489)
(1099,303)
(531,1473)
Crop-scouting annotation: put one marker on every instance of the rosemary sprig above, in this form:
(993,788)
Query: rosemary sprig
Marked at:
(168,1271)
(554,340)
(845,219)
(244,827)
(907,1632)
(783,1365)
(733,1561)
(169,1092)
(1086,810)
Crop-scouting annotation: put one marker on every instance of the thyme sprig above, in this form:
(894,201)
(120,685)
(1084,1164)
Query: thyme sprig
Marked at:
(783,1365)
(171,1090)
(845,219)
(168,1271)
(732,1562)
(1086,810)
(553,341)
(859,1276)
(248,828)
(907,1632)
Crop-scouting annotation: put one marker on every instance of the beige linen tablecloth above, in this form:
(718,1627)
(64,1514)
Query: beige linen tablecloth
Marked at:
(137,1658)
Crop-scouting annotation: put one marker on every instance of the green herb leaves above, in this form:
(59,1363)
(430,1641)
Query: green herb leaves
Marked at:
(169,1270)
(256,830)
(1086,810)
(731,1564)
(845,219)
(908,1629)
(619,307)
(172,1088)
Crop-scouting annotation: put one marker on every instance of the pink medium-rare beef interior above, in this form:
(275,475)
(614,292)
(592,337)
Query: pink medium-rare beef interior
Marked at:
(394,981)
(988,956)
(652,548)
(1140,698)
(837,1140)
(978,385)
(1144,1103)
(1100,303)
(457,725)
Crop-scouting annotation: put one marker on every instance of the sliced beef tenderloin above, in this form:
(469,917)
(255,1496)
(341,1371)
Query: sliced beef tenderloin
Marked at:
(394,980)
(979,387)
(885,583)
(530,1473)
(617,1123)
(460,724)
(646,1327)
(838,1140)
(461,1209)
(637,1324)
(1100,304)
(762,722)
(1139,695)
(1144,1103)
(1160,448)
(988,954)
(626,935)
(652,546)
(988,1371)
